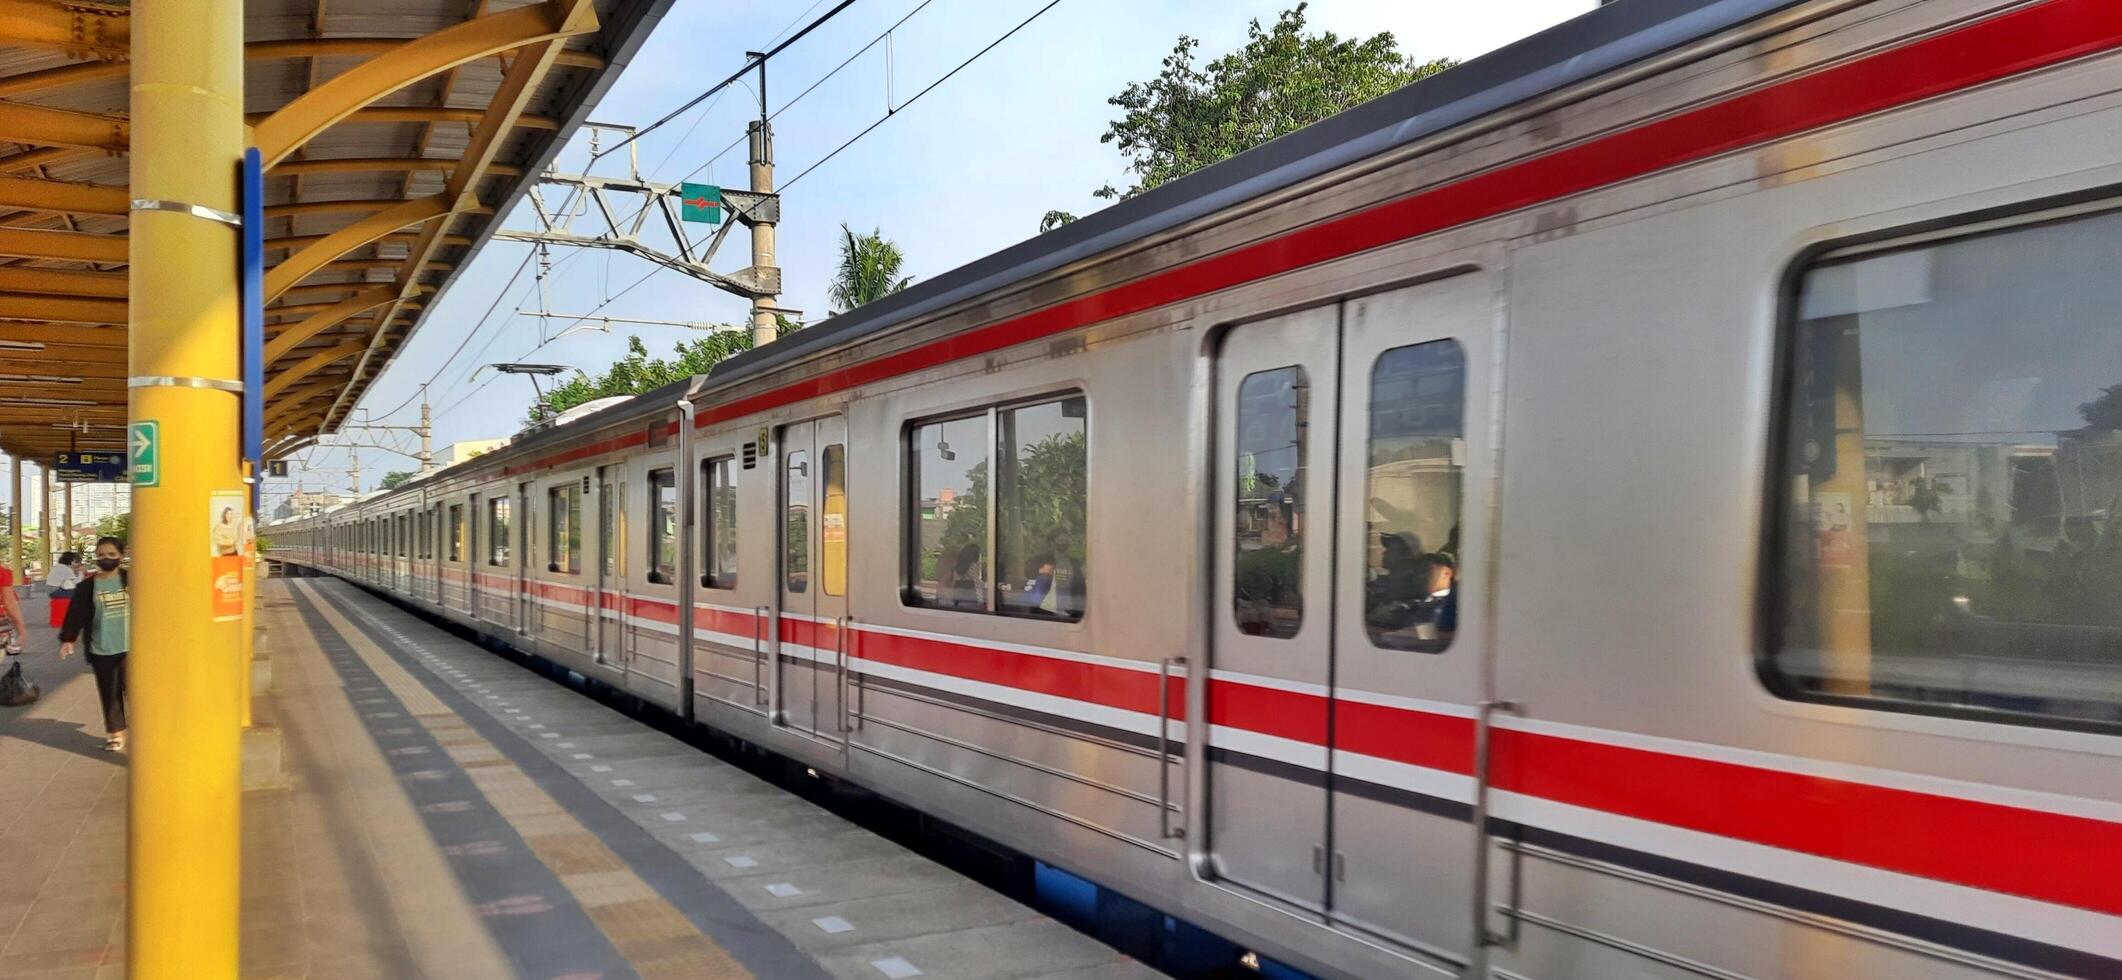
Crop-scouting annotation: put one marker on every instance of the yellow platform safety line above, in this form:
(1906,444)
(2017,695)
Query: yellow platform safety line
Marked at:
(654,937)
(185,820)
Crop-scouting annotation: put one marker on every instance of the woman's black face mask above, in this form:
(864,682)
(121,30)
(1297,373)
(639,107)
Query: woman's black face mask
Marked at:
(109,564)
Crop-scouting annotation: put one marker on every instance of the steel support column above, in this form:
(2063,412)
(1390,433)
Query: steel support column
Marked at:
(186,814)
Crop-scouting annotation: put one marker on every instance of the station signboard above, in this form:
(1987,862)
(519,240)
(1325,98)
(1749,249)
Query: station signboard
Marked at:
(89,467)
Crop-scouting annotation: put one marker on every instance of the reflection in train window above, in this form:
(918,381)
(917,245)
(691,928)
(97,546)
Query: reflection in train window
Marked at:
(1417,457)
(832,520)
(795,537)
(456,532)
(497,531)
(663,526)
(563,525)
(1951,491)
(947,514)
(1040,508)
(720,478)
(1267,524)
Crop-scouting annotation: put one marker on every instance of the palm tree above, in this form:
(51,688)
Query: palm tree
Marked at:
(869,269)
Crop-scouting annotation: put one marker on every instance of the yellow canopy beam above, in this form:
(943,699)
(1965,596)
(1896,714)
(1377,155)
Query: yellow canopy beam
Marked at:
(68,246)
(300,265)
(343,207)
(428,115)
(62,197)
(61,309)
(32,159)
(58,282)
(317,110)
(291,402)
(362,302)
(48,333)
(63,76)
(343,165)
(80,30)
(518,84)
(39,125)
(310,365)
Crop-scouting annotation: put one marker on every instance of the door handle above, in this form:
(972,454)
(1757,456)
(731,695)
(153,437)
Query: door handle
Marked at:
(759,655)
(1484,728)
(1165,828)
(840,658)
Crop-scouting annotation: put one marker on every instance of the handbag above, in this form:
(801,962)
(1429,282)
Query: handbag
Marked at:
(17,690)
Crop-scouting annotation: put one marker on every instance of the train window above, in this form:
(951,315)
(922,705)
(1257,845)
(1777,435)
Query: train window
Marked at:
(497,531)
(946,520)
(456,532)
(563,527)
(720,548)
(1417,450)
(607,508)
(1949,526)
(1267,523)
(1040,508)
(795,537)
(832,521)
(663,526)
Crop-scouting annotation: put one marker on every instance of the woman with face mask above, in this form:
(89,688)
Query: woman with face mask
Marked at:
(101,614)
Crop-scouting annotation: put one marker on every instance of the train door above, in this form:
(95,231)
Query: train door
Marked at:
(1344,684)
(474,559)
(813,623)
(527,612)
(1409,651)
(1273,580)
(604,629)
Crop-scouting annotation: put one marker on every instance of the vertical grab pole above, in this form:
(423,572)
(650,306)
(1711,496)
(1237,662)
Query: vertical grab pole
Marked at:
(1165,829)
(1483,936)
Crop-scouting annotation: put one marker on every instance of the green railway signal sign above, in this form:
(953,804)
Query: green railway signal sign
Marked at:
(703,202)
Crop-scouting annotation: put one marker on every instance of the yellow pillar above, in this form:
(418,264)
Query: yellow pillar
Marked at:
(1845,561)
(187,139)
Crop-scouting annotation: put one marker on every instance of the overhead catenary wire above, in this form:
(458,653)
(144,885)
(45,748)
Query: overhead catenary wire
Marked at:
(749,64)
(1026,22)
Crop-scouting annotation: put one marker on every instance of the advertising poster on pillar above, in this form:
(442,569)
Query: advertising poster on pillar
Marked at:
(226,517)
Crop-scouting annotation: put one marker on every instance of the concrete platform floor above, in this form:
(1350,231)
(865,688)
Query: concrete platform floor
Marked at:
(436,811)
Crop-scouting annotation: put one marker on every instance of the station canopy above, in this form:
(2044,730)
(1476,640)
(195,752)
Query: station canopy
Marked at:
(396,134)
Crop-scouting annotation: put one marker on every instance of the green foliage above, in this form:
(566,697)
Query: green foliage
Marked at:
(1053,220)
(1191,116)
(394,479)
(116,526)
(1267,577)
(637,372)
(1044,494)
(869,269)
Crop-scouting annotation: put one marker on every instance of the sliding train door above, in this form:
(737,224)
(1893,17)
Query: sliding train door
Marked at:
(813,623)
(1347,650)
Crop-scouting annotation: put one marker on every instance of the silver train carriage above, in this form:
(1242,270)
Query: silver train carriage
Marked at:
(1641,503)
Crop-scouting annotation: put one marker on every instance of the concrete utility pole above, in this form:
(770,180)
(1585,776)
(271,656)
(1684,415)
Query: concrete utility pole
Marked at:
(427,432)
(186,815)
(764,327)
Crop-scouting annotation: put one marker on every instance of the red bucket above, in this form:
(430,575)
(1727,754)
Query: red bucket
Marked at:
(59,604)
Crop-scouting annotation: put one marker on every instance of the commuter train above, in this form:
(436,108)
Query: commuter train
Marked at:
(1640,503)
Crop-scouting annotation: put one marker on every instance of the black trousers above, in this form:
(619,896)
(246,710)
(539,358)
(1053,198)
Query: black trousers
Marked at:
(110,688)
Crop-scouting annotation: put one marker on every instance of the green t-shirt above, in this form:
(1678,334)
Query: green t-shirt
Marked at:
(114,616)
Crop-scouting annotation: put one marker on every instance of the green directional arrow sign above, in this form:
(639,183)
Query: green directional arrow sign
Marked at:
(143,446)
(703,202)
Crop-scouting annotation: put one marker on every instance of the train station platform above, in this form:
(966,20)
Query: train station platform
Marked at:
(432,809)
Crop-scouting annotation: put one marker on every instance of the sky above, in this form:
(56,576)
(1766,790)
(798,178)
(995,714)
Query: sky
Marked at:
(967,170)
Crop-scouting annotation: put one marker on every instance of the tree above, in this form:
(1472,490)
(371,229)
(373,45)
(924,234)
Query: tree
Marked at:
(116,526)
(869,269)
(1053,220)
(637,372)
(1282,80)
(394,479)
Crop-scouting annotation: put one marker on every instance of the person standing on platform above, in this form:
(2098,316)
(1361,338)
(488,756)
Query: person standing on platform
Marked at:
(101,614)
(11,635)
(66,573)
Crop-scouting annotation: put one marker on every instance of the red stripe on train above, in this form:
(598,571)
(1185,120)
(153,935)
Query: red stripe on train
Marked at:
(1985,51)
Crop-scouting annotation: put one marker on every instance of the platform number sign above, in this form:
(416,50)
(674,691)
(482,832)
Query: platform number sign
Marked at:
(143,450)
(276,468)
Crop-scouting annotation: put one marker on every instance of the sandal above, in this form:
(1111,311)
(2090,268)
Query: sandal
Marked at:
(115,743)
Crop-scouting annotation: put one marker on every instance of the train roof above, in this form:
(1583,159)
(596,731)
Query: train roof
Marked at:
(1574,51)
(1582,48)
